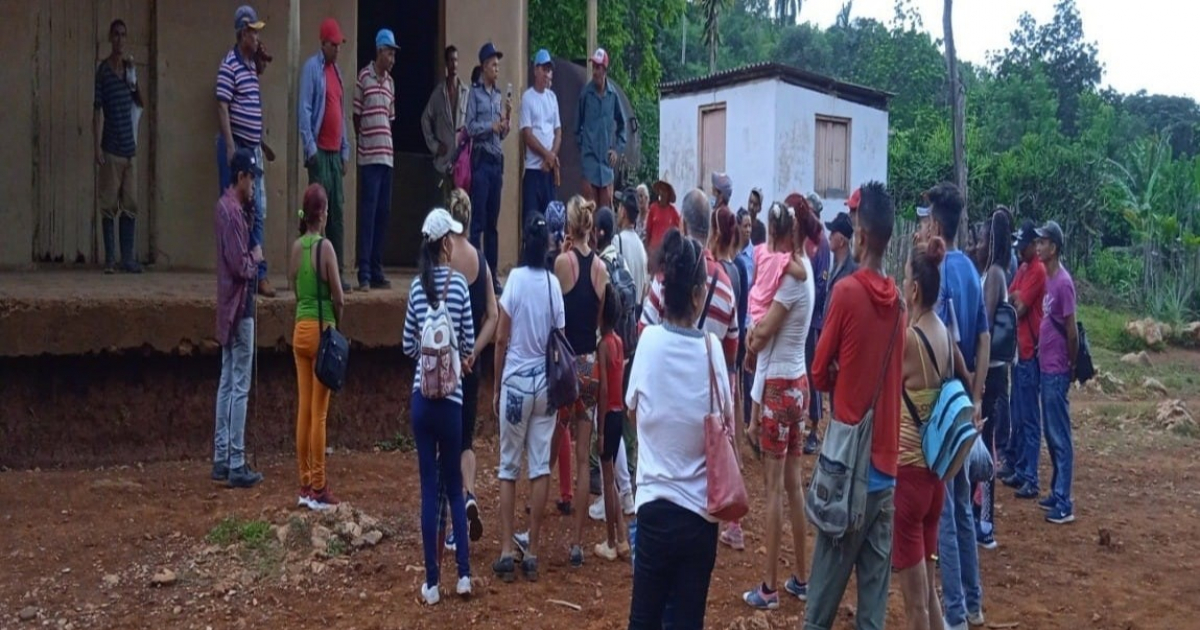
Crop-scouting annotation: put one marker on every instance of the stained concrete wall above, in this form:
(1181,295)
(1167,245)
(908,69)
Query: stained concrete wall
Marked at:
(18,23)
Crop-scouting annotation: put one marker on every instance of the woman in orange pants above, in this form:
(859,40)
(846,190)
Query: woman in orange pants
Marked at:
(319,299)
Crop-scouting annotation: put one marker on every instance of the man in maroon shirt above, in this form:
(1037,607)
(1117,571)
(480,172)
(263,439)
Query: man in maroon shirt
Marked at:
(865,310)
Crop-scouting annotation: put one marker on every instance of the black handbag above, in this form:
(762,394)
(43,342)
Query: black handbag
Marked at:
(562,383)
(333,352)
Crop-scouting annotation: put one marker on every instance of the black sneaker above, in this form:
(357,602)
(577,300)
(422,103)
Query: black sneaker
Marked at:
(382,284)
(476,525)
(244,477)
(529,567)
(565,508)
(811,443)
(576,556)
(505,569)
(220,472)
(1012,481)
(1026,491)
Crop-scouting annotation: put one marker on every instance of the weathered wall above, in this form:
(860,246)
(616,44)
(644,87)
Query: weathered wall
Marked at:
(468,25)
(18,22)
(769,138)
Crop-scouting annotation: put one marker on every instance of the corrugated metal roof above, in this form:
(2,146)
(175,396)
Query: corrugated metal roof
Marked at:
(862,95)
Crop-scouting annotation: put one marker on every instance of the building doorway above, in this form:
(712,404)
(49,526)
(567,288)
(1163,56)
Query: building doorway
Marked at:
(418,28)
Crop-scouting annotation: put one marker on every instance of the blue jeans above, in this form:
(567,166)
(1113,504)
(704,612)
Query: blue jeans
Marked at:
(537,191)
(1026,421)
(957,556)
(437,430)
(487,177)
(373,209)
(676,553)
(1057,413)
(225,178)
(237,361)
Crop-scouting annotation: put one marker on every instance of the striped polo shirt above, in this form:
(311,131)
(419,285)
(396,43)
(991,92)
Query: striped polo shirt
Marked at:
(721,319)
(375,104)
(115,98)
(458,302)
(237,85)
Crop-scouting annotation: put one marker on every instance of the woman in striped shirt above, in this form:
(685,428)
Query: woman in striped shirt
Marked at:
(437,424)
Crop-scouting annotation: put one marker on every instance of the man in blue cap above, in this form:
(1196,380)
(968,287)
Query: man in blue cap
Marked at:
(237,269)
(541,131)
(240,111)
(488,124)
(374,111)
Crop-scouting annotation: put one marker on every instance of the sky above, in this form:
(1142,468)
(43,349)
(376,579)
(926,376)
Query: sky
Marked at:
(1142,44)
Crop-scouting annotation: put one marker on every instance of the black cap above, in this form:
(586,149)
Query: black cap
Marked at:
(245,161)
(488,51)
(1026,235)
(841,225)
(606,221)
(1052,233)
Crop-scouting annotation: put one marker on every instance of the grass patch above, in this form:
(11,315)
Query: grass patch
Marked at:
(253,533)
(336,547)
(401,442)
(1106,329)
(1177,373)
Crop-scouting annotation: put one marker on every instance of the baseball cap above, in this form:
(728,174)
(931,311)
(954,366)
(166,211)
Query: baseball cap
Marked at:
(606,221)
(385,37)
(556,219)
(600,57)
(841,225)
(245,161)
(247,17)
(923,211)
(487,51)
(724,183)
(438,224)
(1026,235)
(542,58)
(855,198)
(816,202)
(331,32)
(629,199)
(1051,232)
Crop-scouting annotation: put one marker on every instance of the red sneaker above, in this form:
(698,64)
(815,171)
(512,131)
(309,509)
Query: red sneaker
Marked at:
(323,499)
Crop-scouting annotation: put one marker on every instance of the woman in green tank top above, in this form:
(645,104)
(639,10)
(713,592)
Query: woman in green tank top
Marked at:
(319,302)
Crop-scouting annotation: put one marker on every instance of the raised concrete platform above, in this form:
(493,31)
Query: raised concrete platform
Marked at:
(69,313)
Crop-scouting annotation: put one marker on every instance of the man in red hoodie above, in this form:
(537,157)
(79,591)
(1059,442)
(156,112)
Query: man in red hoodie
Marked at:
(865,309)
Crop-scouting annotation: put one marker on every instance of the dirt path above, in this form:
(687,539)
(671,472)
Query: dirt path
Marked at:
(81,549)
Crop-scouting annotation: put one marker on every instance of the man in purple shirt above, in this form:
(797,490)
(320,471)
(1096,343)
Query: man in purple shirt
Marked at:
(1058,347)
(237,271)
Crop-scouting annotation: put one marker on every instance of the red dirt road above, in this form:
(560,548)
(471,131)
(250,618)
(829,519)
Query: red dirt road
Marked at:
(80,546)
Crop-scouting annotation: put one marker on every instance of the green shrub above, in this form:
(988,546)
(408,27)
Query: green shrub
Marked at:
(1117,272)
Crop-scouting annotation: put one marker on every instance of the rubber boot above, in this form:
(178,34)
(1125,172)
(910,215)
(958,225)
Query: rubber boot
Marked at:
(110,243)
(128,228)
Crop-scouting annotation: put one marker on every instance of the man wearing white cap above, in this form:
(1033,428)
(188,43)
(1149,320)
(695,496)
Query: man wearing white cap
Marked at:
(600,132)
(541,131)
(374,111)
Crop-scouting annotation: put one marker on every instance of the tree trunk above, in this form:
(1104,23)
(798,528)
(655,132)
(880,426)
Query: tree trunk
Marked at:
(958,115)
(714,43)
(592,43)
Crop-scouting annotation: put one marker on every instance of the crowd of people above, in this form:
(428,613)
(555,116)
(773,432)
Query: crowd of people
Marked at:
(601,330)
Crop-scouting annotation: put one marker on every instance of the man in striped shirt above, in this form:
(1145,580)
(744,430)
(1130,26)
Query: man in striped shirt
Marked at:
(239,107)
(374,111)
(720,317)
(116,95)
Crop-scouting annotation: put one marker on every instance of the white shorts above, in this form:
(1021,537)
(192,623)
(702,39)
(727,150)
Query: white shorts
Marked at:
(526,424)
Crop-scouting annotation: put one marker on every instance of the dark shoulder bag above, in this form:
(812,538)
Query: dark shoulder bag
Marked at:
(333,353)
(562,384)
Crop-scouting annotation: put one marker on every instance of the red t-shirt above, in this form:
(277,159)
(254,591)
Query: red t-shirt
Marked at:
(861,321)
(329,138)
(614,372)
(1030,286)
(659,219)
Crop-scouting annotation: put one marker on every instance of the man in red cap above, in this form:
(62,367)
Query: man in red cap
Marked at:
(323,130)
(600,132)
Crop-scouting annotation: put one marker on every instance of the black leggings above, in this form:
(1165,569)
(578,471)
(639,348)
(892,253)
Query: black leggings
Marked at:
(470,409)
(614,428)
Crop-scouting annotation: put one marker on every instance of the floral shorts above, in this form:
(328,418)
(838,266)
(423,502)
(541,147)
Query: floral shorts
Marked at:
(583,410)
(783,416)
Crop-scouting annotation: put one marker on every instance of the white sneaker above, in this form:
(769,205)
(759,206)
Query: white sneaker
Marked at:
(627,503)
(961,626)
(975,618)
(464,586)
(430,594)
(596,510)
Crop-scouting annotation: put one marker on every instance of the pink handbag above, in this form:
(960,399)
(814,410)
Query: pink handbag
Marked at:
(727,498)
(461,169)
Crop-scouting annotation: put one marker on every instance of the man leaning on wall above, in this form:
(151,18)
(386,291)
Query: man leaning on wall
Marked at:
(114,121)
(445,114)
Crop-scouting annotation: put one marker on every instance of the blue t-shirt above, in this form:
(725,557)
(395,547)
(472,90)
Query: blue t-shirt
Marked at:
(878,480)
(960,304)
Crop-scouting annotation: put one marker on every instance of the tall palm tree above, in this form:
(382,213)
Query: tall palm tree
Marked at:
(786,11)
(712,10)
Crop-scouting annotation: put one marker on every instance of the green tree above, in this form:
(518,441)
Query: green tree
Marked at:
(712,10)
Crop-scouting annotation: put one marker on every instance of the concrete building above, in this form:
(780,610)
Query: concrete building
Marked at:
(772,127)
(53,47)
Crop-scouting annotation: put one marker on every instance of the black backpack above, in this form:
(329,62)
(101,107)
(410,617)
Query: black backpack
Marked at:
(626,290)
(1085,369)
(1004,333)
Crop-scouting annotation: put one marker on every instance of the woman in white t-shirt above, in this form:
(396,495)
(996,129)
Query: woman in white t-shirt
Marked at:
(668,399)
(531,305)
(781,389)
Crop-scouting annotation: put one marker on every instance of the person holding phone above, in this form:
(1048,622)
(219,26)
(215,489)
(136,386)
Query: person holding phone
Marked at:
(488,124)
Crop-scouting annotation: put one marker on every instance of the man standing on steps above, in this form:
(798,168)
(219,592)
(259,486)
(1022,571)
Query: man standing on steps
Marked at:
(116,96)
(374,111)
(488,124)
(600,132)
(239,109)
(323,131)
(445,114)
(237,269)
(541,131)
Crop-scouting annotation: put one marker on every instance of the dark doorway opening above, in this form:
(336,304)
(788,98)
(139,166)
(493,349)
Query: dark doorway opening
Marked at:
(416,24)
